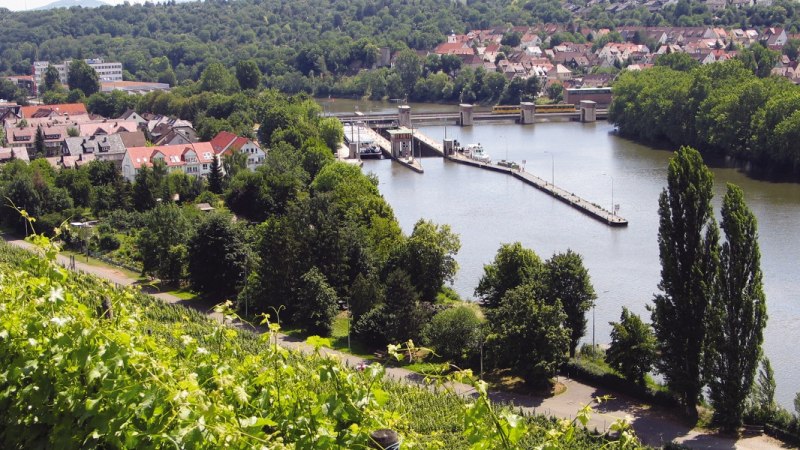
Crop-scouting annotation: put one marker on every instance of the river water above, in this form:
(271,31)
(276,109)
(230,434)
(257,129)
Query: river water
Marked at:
(487,209)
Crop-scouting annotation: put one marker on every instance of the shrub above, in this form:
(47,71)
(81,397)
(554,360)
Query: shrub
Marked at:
(454,334)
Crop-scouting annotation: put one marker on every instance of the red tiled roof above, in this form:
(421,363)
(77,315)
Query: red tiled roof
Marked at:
(225,142)
(62,109)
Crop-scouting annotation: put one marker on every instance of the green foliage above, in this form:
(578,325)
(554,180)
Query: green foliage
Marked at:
(761,404)
(513,266)
(633,347)
(331,132)
(454,334)
(678,61)
(317,303)
(218,257)
(248,74)
(525,333)
(688,239)
(737,314)
(568,283)
(215,176)
(162,242)
(52,80)
(83,77)
(720,108)
(428,256)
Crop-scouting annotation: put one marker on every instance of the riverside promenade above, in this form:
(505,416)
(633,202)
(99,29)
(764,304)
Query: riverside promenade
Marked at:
(653,426)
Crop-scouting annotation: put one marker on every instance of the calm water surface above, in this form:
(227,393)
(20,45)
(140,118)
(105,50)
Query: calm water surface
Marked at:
(487,209)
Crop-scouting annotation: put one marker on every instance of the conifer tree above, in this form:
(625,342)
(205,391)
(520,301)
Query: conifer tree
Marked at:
(688,241)
(737,314)
(215,177)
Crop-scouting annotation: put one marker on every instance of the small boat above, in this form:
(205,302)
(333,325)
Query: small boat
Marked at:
(476,152)
(370,151)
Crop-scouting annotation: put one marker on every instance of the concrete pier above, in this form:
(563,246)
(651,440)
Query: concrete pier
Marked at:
(584,206)
(465,111)
(386,146)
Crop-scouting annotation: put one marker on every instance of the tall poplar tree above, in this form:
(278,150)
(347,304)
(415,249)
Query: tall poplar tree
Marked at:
(737,315)
(688,241)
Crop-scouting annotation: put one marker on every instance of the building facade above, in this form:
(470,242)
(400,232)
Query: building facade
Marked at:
(106,71)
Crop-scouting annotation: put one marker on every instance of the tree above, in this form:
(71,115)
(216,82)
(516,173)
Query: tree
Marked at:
(162,242)
(332,132)
(688,273)
(737,314)
(677,61)
(82,76)
(248,74)
(233,163)
(428,256)
(633,347)
(525,334)
(762,397)
(145,189)
(38,143)
(455,333)
(759,59)
(217,78)
(568,282)
(513,266)
(215,176)
(316,304)
(52,80)
(218,256)
(409,66)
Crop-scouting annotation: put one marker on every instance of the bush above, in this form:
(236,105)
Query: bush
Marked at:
(454,334)
(108,242)
(370,327)
(597,376)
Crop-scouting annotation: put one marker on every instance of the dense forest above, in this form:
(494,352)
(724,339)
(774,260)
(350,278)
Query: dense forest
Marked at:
(722,109)
(319,46)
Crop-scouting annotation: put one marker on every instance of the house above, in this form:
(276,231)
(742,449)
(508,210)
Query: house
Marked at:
(178,136)
(66,109)
(454,48)
(193,159)
(560,73)
(107,127)
(8,153)
(225,143)
(134,116)
(103,148)
(24,138)
(133,139)
(774,37)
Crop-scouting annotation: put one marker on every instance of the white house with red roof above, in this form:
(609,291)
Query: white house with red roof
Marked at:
(192,159)
(226,143)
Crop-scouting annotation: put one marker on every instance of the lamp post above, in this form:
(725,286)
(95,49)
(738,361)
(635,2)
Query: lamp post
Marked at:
(612,194)
(552,168)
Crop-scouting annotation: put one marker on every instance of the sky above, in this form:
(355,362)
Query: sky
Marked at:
(22,5)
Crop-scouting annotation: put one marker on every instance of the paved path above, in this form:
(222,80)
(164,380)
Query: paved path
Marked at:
(654,427)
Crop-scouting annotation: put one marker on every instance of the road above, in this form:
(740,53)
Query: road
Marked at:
(653,426)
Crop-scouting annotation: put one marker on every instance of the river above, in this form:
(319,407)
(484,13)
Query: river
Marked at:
(487,209)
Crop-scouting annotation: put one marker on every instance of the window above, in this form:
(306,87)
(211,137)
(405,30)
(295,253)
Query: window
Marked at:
(205,166)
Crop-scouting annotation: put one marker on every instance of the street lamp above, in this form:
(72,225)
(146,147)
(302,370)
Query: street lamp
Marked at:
(612,194)
(552,168)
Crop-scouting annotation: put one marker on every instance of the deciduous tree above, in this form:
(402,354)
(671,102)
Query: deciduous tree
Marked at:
(513,266)
(633,347)
(218,256)
(82,76)
(737,314)
(687,239)
(568,281)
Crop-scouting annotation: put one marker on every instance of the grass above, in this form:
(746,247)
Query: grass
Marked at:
(338,337)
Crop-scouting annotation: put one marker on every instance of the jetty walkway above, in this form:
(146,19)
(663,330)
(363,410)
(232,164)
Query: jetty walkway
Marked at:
(565,196)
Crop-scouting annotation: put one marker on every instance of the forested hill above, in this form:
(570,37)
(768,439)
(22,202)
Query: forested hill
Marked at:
(272,31)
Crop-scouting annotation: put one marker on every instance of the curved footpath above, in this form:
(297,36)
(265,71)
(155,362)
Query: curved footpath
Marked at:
(654,427)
